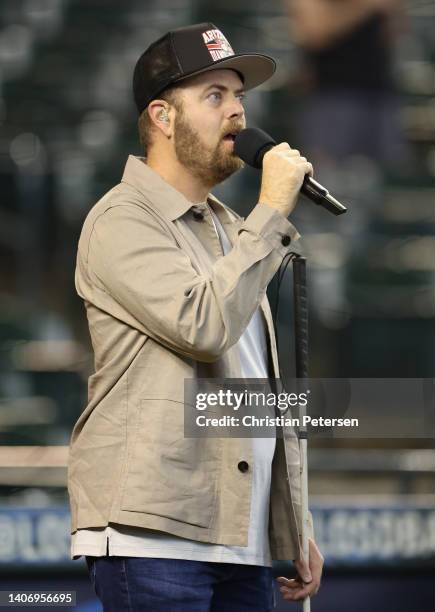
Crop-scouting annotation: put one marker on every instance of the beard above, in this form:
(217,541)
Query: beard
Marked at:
(211,166)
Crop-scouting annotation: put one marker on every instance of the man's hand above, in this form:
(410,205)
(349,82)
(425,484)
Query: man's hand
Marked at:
(307,582)
(284,170)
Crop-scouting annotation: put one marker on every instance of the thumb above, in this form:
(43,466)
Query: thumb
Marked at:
(303,570)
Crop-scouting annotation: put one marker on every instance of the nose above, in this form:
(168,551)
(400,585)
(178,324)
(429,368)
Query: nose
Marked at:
(235,109)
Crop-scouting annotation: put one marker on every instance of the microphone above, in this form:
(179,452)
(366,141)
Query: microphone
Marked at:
(252,144)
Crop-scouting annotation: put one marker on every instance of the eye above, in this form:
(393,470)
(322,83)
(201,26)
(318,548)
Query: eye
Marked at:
(241,97)
(215,96)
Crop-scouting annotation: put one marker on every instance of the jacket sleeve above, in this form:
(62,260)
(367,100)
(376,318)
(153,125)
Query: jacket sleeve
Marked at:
(135,261)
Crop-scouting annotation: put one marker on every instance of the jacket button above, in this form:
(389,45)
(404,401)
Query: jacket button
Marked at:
(243,466)
(285,240)
(198,216)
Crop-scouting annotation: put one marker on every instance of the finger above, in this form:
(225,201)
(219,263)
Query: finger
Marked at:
(308,168)
(294,153)
(305,167)
(287,581)
(293,597)
(282,146)
(291,584)
(301,161)
(302,593)
(289,595)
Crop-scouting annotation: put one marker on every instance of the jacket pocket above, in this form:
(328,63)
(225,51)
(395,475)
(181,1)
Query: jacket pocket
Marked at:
(169,475)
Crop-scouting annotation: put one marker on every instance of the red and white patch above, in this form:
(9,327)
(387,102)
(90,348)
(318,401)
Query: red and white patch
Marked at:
(217,44)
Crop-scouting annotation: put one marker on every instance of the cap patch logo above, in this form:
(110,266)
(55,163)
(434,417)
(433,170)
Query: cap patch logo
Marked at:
(217,44)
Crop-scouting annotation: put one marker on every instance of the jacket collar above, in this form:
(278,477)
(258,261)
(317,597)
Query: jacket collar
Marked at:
(170,202)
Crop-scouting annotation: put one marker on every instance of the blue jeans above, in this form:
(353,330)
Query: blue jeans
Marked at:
(138,584)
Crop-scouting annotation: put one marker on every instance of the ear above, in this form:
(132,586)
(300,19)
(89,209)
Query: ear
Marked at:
(161,116)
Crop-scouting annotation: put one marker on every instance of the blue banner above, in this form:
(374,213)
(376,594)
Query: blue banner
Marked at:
(346,535)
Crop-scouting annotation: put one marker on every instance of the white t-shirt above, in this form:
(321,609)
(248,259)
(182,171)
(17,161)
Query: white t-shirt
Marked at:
(129,541)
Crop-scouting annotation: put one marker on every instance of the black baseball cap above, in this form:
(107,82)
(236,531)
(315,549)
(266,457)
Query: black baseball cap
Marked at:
(188,51)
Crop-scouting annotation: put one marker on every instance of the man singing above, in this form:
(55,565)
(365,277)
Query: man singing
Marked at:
(174,285)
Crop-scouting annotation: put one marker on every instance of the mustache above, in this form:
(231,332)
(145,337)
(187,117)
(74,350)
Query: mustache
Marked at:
(233,127)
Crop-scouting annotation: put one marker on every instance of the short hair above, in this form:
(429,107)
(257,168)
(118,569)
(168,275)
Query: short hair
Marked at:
(146,127)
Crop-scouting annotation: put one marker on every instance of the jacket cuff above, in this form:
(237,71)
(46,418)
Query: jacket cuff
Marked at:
(272,226)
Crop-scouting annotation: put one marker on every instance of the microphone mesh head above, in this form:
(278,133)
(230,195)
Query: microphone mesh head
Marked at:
(251,144)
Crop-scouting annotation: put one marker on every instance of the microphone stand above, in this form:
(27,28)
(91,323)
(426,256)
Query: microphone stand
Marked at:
(301,352)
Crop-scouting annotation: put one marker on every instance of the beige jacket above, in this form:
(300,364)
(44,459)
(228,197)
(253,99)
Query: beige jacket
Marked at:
(164,305)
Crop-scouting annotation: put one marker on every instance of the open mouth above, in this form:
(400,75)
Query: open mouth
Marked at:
(232,134)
